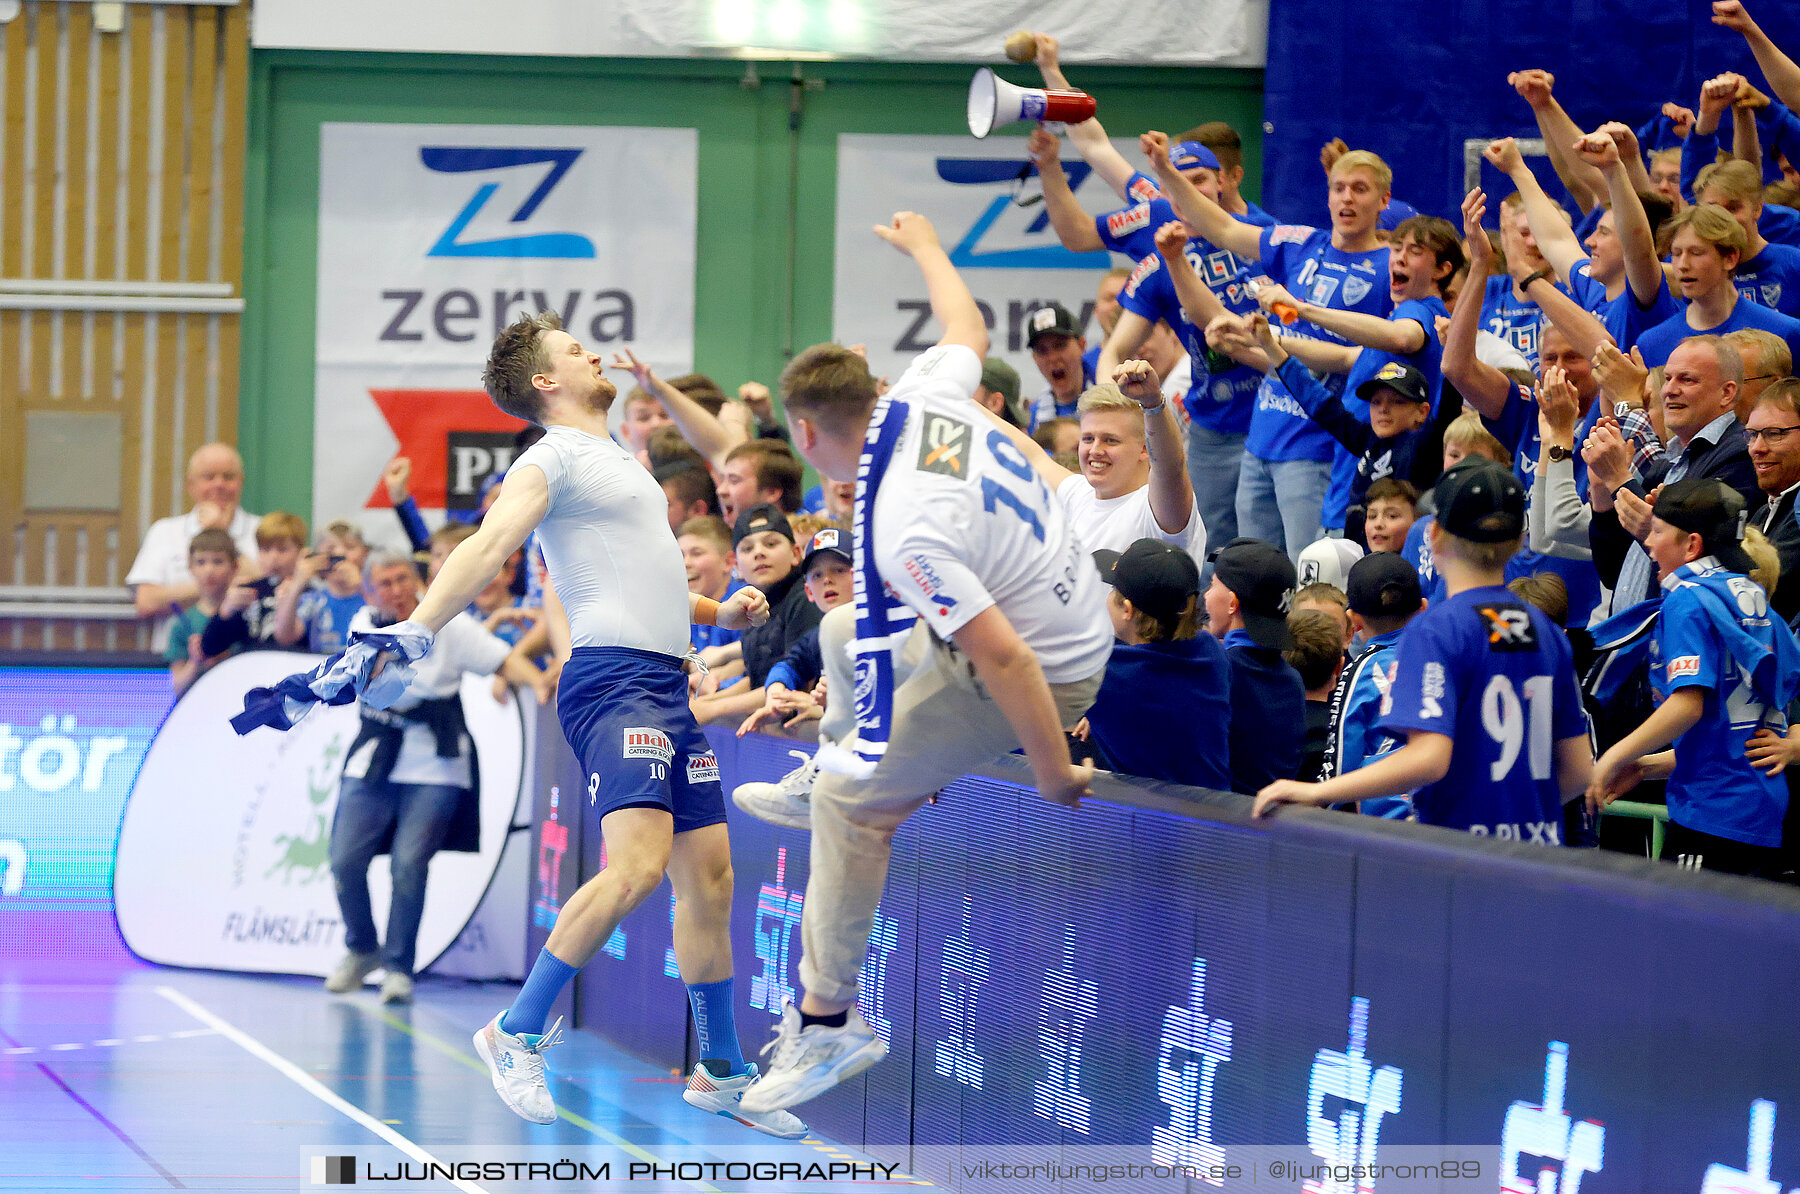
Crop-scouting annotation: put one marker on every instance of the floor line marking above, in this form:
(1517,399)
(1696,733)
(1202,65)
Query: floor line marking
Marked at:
(306,1081)
(108,1124)
(585,1125)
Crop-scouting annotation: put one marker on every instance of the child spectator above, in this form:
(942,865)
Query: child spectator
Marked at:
(1483,691)
(706,550)
(1059,436)
(1389,510)
(1398,439)
(1246,607)
(830,581)
(319,614)
(1467,436)
(1545,590)
(1318,655)
(1726,671)
(1328,599)
(1384,597)
(768,558)
(246,617)
(1161,660)
(212,562)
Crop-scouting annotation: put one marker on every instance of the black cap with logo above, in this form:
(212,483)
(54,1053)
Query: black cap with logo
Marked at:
(1399,377)
(1158,578)
(766,517)
(1053,320)
(1261,577)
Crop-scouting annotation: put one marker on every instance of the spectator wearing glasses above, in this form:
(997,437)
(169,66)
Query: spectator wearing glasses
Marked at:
(1773,430)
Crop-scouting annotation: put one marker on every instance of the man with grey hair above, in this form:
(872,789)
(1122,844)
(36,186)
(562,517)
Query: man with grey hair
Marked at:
(159,575)
(1701,380)
(409,784)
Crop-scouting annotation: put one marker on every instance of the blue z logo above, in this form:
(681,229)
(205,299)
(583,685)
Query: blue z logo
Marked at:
(456,159)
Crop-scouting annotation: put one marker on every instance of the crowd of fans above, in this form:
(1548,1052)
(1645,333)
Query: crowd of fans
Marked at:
(1581,433)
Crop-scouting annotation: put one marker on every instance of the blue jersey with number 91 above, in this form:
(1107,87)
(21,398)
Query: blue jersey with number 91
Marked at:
(1497,677)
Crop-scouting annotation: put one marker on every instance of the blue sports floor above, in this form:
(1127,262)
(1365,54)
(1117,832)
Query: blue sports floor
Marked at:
(115,1075)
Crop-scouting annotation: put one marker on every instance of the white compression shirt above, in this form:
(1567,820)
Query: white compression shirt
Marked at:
(606,539)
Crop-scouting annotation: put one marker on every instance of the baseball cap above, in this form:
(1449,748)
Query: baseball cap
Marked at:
(1157,577)
(1713,510)
(1328,562)
(1003,379)
(1262,578)
(1384,585)
(830,539)
(1396,211)
(766,517)
(1053,320)
(1478,500)
(1399,377)
(1186,155)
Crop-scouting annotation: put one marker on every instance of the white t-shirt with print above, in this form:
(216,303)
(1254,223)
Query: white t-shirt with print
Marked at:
(963,522)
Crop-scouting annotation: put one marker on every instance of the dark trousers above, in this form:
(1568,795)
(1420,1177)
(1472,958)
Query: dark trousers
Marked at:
(1709,852)
(419,815)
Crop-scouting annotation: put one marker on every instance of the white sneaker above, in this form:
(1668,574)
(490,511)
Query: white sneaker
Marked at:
(517,1066)
(809,1062)
(720,1096)
(351,972)
(788,801)
(397,988)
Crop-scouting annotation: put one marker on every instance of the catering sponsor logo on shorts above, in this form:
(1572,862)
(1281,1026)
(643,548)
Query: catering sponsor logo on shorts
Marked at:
(1128,220)
(642,742)
(1684,665)
(703,769)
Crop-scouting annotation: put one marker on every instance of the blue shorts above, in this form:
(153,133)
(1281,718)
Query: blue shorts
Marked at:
(625,713)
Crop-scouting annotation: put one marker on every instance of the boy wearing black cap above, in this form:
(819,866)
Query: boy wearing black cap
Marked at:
(1726,671)
(1057,345)
(1384,596)
(1483,691)
(826,572)
(1247,608)
(768,558)
(1399,438)
(1161,660)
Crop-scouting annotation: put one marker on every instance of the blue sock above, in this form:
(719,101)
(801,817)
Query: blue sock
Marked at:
(715,1022)
(549,975)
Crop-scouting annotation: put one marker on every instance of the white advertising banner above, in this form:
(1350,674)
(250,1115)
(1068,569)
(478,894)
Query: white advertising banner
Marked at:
(1150,33)
(434,237)
(1007,253)
(224,851)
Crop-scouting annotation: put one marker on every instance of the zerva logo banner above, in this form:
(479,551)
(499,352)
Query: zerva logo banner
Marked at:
(433,237)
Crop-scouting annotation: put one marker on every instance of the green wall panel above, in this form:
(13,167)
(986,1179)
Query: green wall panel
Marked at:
(767,186)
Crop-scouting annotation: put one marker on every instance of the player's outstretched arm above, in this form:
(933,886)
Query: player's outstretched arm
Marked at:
(709,435)
(951,301)
(1053,473)
(1424,759)
(1010,672)
(523,500)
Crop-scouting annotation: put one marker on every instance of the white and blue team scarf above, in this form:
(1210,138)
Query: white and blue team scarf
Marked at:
(883,621)
(341,679)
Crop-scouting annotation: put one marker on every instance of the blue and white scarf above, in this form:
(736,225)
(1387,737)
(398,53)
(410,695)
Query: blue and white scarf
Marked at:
(341,679)
(883,621)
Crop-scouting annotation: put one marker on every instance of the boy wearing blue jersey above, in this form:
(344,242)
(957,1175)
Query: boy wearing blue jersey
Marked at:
(1384,596)
(1286,470)
(1705,245)
(1484,687)
(1725,670)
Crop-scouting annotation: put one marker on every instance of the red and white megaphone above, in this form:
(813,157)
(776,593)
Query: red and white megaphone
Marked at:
(994,102)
